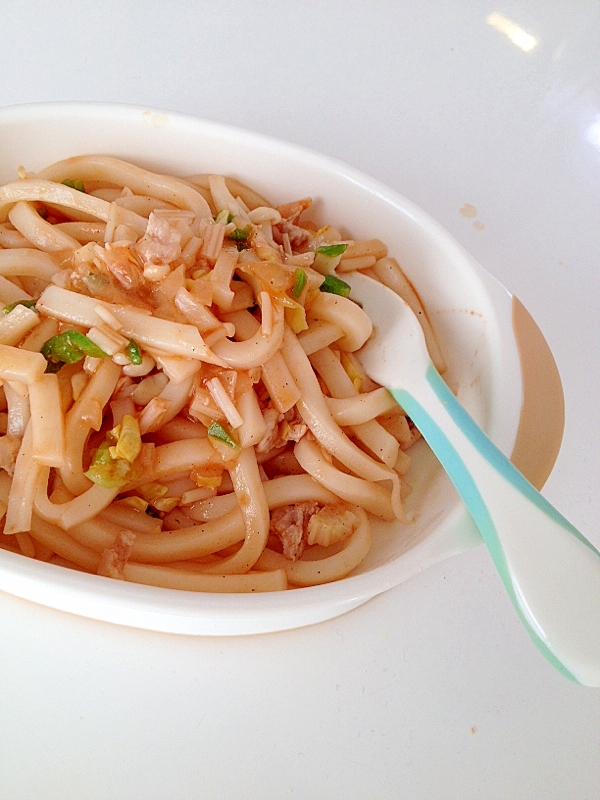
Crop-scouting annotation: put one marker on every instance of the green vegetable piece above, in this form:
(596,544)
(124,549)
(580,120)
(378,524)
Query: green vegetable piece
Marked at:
(87,347)
(218,432)
(107,471)
(132,351)
(27,303)
(332,250)
(239,234)
(299,282)
(68,348)
(335,285)
(74,184)
(224,217)
(327,257)
(102,456)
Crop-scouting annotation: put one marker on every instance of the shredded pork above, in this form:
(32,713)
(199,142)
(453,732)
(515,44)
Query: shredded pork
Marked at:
(290,525)
(161,244)
(281,429)
(309,523)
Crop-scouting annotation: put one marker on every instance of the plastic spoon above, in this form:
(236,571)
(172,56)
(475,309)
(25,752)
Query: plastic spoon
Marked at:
(550,571)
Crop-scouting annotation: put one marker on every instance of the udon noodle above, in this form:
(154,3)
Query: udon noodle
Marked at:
(183,402)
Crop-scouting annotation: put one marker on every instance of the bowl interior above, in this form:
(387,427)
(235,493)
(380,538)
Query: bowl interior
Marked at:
(468,310)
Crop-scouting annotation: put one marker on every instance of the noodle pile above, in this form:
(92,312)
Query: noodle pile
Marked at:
(182,400)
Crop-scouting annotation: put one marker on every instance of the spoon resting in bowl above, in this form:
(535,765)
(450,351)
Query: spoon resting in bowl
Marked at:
(551,572)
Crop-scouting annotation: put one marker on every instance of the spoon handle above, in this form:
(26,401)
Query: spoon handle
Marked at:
(551,572)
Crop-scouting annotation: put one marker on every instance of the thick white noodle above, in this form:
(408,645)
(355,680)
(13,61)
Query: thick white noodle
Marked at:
(40,233)
(141,181)
(195,541)
(10,292)
(345,314)
(253,352)
(21,365)
(86,413)
(169,578)
(253,427)
(15,325)
(368,494)
(20,502)
(18,408)
(253,505)
(316,415)
(48,425)
(381,443)
(76,511)
(65,197)
(281,491)
(162,334)
(361,407)
(175,396)
(29,262)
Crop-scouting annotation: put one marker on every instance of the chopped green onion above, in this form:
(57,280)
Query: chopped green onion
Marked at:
(132,351)
(68,348)
(224,217)
(327,257)
(239,234)
(27,303)
(332,250)
(218,432)
(299,282)
(74,184)
(335,285)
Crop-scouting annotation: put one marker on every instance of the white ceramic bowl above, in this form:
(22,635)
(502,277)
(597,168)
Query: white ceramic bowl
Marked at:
(470,311)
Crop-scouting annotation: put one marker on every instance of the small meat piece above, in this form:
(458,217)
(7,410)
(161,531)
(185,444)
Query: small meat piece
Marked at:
(290,525)
(161,244)
(114,558)
(299,238)
(281,429)
(271,440)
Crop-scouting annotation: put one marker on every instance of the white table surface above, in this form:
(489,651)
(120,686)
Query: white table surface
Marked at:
(432,690)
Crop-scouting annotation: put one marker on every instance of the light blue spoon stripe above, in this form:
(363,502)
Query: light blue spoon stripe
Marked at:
(491,453)
(455,467)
